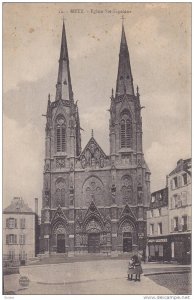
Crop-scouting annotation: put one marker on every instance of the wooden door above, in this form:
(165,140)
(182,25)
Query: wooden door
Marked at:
(94,242)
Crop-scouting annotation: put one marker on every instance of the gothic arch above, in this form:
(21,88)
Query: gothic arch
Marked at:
(60,133)
(93,223)
(93,190)
(60,192)
(127,189)
(126,129)
(126,225)
(59,223)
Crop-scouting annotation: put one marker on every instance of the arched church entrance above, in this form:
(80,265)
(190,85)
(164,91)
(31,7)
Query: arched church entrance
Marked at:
(126,231)
(94,232)
(127,242)
(60,243)
(59,235)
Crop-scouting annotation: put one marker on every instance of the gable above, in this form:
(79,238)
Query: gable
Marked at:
(127,212)
(92,155)
(59,214)
(92,210)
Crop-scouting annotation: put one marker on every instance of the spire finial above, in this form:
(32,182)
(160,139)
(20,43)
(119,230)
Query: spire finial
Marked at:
(92,133)
(137,90)
(49,97)
(112,92)
(122,18)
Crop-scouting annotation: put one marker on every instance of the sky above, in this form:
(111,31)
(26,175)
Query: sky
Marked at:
(159,42)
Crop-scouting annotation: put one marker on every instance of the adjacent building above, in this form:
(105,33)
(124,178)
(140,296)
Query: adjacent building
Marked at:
(94,202)
(158,226)
(19,231)
(169,217)
(180,201)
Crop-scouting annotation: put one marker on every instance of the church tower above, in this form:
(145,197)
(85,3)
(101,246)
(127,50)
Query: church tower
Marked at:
(62,145)
(126,152)
(125,111)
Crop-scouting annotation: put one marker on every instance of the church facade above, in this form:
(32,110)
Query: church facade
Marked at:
(93,202)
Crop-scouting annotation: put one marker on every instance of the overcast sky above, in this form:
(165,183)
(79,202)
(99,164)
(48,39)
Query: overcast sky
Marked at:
(159,42)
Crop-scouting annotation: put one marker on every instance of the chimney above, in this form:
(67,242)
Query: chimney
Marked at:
(36,206)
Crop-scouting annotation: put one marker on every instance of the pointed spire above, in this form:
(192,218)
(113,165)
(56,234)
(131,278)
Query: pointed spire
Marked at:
(124,77)
(64,87)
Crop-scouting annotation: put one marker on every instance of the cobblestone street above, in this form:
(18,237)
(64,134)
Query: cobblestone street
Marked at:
(179,284)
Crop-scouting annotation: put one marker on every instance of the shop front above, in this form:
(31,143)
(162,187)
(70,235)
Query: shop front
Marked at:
(159,249)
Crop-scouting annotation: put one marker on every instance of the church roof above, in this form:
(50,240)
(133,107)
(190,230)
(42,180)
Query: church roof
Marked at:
(18,206)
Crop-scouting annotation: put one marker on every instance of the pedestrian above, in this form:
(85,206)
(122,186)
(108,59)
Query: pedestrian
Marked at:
(137,267)
(131,268)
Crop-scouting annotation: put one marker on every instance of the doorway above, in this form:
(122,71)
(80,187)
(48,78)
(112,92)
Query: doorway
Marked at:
(60,243)
(93,242)
(127,242)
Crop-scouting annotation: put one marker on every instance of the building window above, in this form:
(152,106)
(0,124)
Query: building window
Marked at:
(151,213)
(184,198)
(153,199)
(60,192)
(175,181)
(160,196)
(185,178)
(11,254)
(175,201)
(126,130)
(11,239)
(184,223)
(11,223)
(127,189)
(23,255)
(159,228)
(151,229)
(22,223)
(60,134)
(159,212)
(176,224)
(22,239)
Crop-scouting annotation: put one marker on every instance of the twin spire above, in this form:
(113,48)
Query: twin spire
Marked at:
(124,83)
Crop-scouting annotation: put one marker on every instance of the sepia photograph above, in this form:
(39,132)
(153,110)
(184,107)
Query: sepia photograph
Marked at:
(97,167)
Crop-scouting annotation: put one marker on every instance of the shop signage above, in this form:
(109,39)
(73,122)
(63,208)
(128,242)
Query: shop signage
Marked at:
(157,241)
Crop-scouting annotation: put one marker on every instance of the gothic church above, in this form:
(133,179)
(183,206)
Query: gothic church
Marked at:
(93,202)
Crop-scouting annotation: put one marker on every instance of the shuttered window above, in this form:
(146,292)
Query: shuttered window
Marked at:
(11,239)
(11,223)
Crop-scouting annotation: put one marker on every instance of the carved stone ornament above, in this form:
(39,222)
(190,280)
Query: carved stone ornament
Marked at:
(127,227)
(93,226)
(60,163)
(92,156)
(59,229)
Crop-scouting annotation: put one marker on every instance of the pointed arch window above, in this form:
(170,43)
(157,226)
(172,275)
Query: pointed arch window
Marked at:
(126,130)
(60,192)
(60,134)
